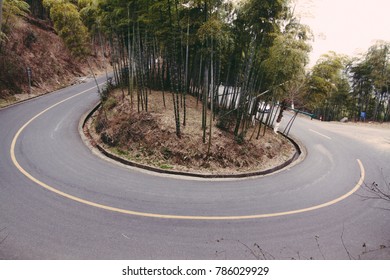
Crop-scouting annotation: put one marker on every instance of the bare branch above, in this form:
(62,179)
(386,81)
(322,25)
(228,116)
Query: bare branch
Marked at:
(264,253)
(319,247)
(345,247)
(374,191)
(257,256)
(256,251)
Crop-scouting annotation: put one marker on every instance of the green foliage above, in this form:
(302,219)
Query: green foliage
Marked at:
(378,56)
(165,166)
(89,13)
(370,77)
(11,66)
(328,87)
(9,10)
(110,103)
(12,8)
(3,38)
(264,19)
(68,24)
(288,55)
(213,28)
(1,16)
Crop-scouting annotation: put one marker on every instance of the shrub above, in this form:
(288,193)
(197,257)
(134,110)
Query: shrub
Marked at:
(29,39)
(12,72)
(110,103)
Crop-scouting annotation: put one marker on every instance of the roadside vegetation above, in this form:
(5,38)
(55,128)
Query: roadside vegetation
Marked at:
(149,138)
(30,43)
(233,63)
(244,62)
(356,88)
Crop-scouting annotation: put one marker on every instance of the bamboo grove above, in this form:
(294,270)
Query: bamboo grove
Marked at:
(231,58)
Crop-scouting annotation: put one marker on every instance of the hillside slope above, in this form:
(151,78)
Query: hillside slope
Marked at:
(34,44)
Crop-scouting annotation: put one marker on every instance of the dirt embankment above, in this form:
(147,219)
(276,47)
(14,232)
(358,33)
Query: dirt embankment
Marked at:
(149,138)
(33,44)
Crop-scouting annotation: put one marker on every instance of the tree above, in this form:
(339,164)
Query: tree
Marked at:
(288,57)
(378,56)
(362,87)
(328,87)
(370,76)
(68,24)
(213,34)
(10,64)
(37,9)
(9,9)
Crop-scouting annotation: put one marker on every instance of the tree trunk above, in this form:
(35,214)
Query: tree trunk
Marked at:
(130,85)
(211,96)
(205,96)
(1,13)
(186,74)
(387,114)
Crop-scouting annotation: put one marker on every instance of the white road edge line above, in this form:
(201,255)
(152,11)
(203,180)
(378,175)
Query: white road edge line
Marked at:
(323,135)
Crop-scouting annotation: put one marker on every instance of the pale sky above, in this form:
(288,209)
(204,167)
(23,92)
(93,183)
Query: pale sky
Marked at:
(345,26)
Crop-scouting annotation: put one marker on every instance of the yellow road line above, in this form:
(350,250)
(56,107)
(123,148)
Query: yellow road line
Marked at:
(164,216)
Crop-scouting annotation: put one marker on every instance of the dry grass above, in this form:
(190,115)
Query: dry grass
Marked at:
(150,138)
(51,63)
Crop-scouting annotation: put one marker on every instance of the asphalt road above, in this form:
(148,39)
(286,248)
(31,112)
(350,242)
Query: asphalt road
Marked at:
(59,200)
